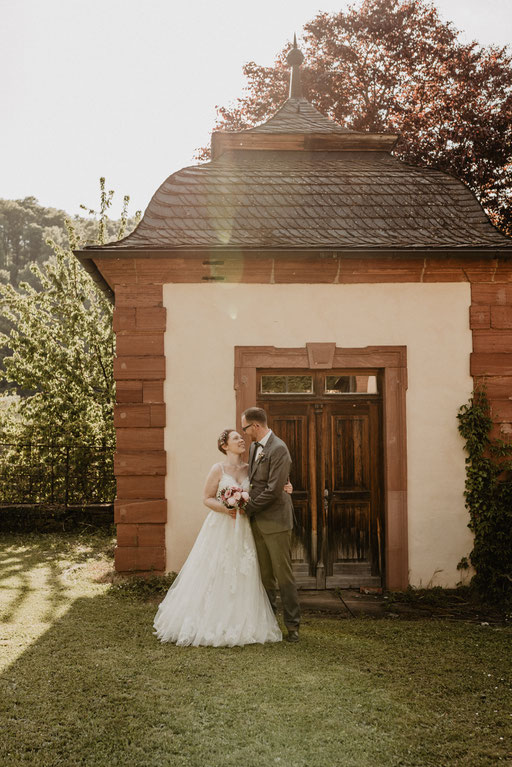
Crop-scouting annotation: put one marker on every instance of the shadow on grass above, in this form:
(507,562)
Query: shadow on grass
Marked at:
(98,689)
(30,562)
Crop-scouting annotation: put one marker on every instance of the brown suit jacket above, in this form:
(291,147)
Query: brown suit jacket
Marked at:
(270,507)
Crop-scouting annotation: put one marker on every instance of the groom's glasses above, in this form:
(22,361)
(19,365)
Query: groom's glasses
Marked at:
(244,428)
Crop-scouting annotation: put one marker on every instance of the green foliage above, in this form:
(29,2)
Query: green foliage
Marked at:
(107,230)
(489,500)
(62,348)
(59,350)
(143,588)
(27,231)
(24,228)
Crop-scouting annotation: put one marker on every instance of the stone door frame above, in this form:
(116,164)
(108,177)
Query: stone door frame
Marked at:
(392,362)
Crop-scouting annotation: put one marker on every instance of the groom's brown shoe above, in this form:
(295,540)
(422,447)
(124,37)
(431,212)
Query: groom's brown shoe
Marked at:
(293,635)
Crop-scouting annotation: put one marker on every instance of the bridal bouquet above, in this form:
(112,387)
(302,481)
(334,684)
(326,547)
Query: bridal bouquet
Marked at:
(234,498)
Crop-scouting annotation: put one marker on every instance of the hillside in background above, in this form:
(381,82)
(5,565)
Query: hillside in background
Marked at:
(24,228)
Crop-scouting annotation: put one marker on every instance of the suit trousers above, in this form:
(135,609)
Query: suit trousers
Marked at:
(274,556)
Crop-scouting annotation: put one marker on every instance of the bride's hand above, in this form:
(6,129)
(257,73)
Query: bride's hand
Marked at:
(288,488)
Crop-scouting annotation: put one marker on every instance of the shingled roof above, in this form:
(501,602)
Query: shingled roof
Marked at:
(340,200)
(301,181)
(298,115)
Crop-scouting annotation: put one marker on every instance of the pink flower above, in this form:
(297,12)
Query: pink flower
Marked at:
(232,501)
(237,495)
(245,496)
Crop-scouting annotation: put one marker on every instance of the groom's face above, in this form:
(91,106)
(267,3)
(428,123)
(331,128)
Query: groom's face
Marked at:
(249,429)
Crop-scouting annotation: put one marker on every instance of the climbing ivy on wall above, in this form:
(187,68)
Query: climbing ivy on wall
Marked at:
(488,496)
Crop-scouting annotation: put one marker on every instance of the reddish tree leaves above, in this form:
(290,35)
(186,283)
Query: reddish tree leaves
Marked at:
(393,65)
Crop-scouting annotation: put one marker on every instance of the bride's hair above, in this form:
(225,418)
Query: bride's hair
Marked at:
(223,440)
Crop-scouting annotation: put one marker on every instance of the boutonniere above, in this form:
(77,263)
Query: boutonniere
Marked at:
(261,455)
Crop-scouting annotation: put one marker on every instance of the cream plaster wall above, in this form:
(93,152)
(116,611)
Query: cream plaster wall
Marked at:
(206,321)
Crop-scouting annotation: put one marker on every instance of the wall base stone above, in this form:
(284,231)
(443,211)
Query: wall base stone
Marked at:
(140,559)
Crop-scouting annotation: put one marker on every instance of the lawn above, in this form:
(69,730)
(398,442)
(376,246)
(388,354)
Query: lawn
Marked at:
(84,682)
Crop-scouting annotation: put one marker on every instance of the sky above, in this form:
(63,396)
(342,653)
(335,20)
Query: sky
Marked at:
(127,89)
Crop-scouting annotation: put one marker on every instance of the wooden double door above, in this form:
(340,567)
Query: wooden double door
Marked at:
(336,447)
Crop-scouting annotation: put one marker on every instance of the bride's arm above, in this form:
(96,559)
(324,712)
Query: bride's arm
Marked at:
(210,490)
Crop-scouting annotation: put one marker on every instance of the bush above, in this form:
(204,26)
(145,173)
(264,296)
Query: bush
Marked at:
(488,494)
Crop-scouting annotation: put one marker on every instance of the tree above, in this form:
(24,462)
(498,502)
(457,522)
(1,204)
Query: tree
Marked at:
(395,66)
(60,349)
(29,233)
(24,228)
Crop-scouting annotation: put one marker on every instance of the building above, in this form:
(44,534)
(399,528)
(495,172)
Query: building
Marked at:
(357,298)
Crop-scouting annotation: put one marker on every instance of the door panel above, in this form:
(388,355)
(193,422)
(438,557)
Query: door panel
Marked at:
(293,429)
(335,445)
(349,531)
(353,501)
(350,454)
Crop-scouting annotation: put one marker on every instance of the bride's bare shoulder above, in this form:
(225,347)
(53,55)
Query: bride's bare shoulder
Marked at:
(215,471)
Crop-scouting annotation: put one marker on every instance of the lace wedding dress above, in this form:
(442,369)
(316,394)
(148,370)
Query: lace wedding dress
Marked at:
(218,598)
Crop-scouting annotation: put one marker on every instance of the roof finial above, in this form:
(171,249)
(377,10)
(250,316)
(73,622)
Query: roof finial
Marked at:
(295,59)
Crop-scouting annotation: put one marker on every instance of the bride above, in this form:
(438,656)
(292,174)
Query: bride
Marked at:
(218,598)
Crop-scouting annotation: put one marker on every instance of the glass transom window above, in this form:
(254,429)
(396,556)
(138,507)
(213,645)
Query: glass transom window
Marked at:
(362,384)
(286,384)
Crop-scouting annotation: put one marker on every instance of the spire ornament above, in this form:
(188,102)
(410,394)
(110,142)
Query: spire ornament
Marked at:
(294,60)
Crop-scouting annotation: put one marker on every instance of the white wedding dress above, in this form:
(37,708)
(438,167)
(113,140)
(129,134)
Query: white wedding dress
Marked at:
(218,598)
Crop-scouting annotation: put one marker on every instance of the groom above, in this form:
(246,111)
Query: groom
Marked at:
(271,513)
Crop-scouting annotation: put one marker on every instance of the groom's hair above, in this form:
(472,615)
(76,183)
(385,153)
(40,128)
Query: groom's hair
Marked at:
(256,414)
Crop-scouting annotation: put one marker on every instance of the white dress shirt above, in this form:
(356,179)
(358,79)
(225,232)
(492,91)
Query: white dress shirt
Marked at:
(263,441)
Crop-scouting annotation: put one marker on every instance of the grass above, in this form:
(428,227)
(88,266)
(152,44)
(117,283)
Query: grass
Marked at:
(463,602)
(84,682)
(143,587)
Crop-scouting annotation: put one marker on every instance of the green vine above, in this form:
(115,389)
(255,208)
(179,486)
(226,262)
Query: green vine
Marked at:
(488,496)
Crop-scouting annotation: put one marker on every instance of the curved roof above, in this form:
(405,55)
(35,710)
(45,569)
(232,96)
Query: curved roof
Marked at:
(301,181)
(296,199)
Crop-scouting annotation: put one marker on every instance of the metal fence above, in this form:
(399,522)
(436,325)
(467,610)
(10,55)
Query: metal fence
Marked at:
(56,473)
